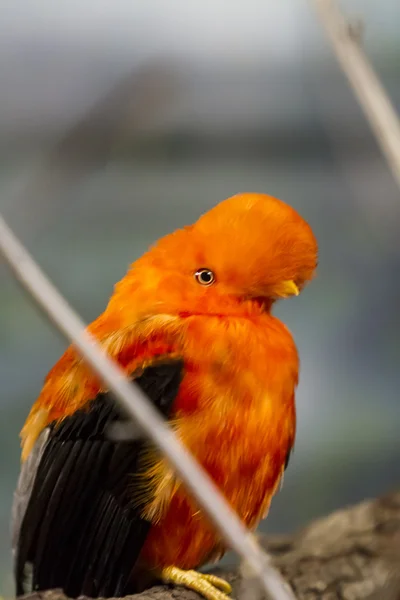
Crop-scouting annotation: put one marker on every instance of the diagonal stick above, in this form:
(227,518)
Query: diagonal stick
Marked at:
(366,85)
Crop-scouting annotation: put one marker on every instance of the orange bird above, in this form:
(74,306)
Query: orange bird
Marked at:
(191,322)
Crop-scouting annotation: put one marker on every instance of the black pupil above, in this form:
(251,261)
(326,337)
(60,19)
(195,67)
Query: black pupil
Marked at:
(206,276)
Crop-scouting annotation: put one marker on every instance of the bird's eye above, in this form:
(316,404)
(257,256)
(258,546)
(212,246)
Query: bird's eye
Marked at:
(205,276)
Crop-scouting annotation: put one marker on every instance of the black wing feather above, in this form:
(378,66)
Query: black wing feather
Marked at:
(79,531)
(288,457)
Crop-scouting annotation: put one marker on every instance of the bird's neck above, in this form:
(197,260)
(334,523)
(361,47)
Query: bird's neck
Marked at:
(227,358)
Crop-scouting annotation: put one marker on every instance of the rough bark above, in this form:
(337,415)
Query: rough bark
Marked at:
(353,554)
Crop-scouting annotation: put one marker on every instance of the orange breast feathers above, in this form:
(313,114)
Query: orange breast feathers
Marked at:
(235,412)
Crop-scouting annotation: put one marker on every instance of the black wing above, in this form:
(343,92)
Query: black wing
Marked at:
(288,457)
(79,531)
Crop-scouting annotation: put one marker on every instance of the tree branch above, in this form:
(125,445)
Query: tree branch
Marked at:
(353,554)
(371,95)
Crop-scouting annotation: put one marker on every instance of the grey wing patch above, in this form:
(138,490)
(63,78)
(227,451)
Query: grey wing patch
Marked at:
(24,488)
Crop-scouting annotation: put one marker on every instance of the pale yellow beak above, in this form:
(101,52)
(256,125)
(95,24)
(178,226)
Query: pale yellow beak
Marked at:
(286,289)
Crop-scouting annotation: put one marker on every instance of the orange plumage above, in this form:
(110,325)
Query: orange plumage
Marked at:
(235,407)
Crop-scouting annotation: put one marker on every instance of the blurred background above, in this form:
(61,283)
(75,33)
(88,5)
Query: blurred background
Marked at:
(121,121)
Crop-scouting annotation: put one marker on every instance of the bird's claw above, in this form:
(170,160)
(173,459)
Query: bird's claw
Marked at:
(209,586)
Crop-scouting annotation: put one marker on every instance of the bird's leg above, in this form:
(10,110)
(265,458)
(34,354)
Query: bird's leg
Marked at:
(209,586)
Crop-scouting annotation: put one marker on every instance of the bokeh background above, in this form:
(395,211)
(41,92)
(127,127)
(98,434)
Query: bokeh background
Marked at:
(120,121)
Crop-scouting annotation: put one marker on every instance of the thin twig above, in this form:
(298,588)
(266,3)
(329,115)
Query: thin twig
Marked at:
(140,409)
(367,87)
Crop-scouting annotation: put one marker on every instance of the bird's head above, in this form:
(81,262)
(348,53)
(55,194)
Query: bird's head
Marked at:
(240,256)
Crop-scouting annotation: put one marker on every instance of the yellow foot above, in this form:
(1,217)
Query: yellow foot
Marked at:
(209,586)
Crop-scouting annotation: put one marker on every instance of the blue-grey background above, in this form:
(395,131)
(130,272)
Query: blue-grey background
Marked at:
(204,99)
